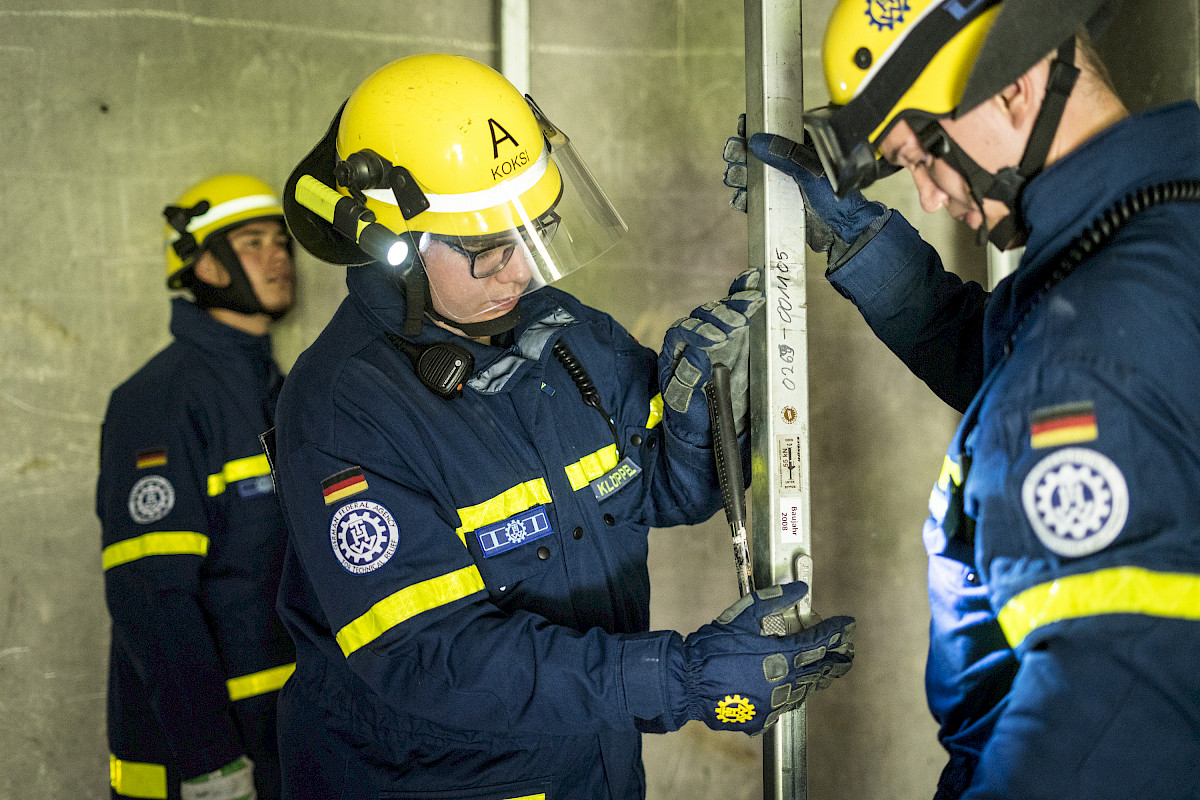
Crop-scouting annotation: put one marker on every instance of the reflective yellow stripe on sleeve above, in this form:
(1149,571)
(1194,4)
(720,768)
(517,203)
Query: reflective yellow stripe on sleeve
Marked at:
(406,604)
(238,470)
(519,498)
(159,543)
(1122,590)
(132,779)
(591,466)
(256,683)
(656,411)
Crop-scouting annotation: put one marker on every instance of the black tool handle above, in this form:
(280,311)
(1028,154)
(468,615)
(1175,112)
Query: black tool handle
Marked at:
(729,469)
(725,445)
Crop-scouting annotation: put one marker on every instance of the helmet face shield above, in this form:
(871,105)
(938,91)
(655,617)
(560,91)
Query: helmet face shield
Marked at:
(491,247)
(880,68)
(850,166)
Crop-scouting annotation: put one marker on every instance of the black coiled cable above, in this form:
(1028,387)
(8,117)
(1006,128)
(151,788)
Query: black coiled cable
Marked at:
(1104,228)
(587,389)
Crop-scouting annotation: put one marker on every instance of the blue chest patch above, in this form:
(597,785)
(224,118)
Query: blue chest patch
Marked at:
(502,536)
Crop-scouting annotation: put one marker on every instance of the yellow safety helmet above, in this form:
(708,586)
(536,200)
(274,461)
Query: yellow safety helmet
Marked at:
(211,206)
(473,146)
(926,59)
(440,147)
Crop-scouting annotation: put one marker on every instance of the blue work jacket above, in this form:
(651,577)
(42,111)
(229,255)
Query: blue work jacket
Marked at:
(1064,533)
(466,579)
(193,544)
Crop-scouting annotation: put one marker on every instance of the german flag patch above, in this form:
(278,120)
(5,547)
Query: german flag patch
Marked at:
(343,484)
(154,457)
(1070,423)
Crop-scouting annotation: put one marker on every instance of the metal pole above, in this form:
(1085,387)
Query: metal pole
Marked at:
(779,352)
(514,42)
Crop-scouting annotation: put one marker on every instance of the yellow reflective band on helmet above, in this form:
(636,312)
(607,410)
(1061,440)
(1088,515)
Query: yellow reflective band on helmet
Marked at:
(256,683)
(656,411)
(406,604)
(159,543)
(519,498)
(591,466)
(238,470)
(133,779)
(1121,590)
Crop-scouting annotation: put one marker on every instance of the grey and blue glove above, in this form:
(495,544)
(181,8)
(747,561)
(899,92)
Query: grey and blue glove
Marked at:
(755,662)
(832,226)
(716,333)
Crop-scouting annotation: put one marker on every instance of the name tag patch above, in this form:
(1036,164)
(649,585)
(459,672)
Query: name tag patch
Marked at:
(616,479)
(255,487)
(502,536)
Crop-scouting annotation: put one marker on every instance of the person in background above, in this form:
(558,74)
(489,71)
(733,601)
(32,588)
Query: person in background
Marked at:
(469,461)
(1064,533)
(193,536)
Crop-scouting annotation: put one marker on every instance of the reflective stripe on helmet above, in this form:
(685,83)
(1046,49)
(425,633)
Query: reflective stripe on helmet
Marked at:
(231,207)
(497,195)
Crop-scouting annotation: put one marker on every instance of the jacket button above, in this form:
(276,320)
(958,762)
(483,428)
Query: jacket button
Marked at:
(609,519)
(651,444)
(543,552)
(636,440)
(578,532)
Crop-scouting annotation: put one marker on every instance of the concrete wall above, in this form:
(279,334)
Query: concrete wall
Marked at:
(110,109)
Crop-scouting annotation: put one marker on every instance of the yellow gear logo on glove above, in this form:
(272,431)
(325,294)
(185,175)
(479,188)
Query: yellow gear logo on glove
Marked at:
(735,709)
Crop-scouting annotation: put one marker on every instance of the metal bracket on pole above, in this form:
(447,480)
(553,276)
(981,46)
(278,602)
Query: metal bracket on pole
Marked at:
(780,513)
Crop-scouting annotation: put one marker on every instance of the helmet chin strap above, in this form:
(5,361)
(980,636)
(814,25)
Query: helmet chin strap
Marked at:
(418,306)
(1007,185)
(490,327)
(239,295)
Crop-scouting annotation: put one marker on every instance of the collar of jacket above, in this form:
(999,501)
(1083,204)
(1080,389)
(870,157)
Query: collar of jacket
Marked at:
(1152,147)
(496,368)
(194,324)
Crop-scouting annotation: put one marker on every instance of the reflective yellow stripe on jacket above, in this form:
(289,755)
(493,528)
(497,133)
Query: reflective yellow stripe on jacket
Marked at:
(1121,590)
(656,411)
(132,779)
(238,470)
(426,595)
(591,466)
(256,683)
(159,543)
(406,604)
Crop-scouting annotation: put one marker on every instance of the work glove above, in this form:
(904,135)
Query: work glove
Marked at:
(755,662)
(717,332)
(831,226)
(234,781)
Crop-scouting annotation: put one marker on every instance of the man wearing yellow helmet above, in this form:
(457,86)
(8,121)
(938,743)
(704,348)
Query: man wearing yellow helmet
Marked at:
(1064,534)
(470,459)
(193,535)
